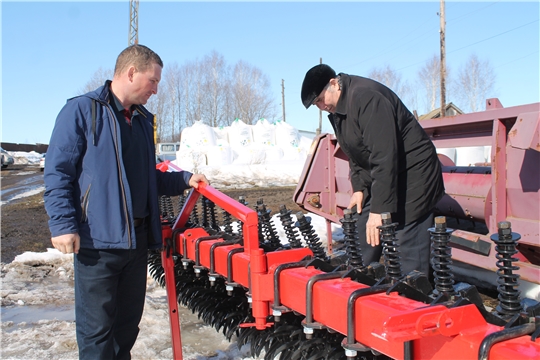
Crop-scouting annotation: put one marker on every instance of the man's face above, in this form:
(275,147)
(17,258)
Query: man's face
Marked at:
(328,98)
(145,84)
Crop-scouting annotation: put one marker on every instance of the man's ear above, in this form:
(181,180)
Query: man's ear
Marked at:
(131,71)
(334,85)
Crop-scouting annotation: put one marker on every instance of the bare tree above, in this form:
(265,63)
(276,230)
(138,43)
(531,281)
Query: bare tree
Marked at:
(476,81)
(208,90)
(250,91)
(392,79)
(97,80)
(172,76)
(214,79)
(158,104)
(429,76)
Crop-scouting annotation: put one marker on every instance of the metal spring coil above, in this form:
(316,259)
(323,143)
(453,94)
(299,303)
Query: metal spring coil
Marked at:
(390,251)
(441,257)
(242,201)
(260,223)
(311,238)
(181,202)
(227,222)
(290,231)
(352,249)
(166,208)
(211,216)
(194,216)
(506,241)
(269,228)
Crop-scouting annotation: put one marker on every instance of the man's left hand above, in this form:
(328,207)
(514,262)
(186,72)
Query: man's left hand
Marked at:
(372,232)
(196,178)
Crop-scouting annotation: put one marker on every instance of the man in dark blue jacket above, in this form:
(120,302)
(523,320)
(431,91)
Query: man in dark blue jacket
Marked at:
(394,165)
(101,194)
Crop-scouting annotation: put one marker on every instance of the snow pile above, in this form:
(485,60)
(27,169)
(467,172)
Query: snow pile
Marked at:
(263,148)
(25,158)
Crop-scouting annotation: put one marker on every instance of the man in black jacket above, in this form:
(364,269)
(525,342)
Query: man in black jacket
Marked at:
(394,165)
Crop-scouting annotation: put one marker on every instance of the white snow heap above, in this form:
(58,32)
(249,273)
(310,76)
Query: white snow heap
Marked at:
(205,149)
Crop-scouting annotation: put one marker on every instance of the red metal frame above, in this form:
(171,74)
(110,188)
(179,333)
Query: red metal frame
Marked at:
(511,192)
(383,322)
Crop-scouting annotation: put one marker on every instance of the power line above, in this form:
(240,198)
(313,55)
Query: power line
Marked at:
(512,61)
(466,46)
(494,36)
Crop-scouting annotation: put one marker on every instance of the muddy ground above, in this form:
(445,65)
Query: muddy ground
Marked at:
(24,221)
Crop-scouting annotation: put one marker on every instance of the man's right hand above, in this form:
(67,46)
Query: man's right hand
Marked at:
(67,244)
(356,199)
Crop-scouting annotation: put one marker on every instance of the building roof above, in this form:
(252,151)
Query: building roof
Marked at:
(450,109)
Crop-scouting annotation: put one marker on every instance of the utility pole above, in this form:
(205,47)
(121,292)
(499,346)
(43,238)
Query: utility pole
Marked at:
(318,131)
(133,33)
(443,61)
(283,98)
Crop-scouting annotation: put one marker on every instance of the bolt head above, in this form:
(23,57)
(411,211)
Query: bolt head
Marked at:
(504,225)
(350,353)
(386,216)
(347,212)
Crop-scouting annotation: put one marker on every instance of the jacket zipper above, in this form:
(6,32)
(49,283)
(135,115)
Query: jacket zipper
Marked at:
(120,175)
(84,204)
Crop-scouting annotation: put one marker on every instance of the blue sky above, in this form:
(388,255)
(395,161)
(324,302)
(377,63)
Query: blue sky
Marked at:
(51,49)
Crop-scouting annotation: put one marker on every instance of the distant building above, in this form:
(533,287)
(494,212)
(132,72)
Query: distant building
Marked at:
(450,110)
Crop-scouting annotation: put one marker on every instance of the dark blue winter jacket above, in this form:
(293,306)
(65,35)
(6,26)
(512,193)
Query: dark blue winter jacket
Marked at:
(86,190)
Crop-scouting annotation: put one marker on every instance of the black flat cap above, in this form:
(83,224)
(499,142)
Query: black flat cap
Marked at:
(316,79)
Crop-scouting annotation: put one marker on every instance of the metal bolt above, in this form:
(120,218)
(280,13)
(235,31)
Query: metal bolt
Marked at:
(504,225)
(440,222)
(347,212)
(386,216)
(299,215)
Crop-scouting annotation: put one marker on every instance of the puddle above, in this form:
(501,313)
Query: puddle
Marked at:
(31,314)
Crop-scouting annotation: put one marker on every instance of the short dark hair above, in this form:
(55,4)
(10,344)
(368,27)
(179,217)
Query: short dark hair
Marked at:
(137,55)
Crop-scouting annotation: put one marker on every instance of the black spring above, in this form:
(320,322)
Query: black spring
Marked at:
(166,208)
(268,227)
(352,242)
(506,240)
(312,239)
(441,257)
(205,222)
(288,226)
(194,216)
(211,214)
(260,222)
(390,246)
(241,200)
(227,222)
(181,201)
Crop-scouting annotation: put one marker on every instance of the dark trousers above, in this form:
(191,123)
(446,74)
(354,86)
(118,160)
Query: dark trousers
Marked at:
(413,240)
(110,288)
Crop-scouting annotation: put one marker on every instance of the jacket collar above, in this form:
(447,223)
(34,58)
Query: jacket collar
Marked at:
(341,106)
(102,94)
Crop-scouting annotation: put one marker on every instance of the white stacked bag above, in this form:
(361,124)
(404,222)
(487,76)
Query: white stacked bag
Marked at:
(195,142)
(249,152)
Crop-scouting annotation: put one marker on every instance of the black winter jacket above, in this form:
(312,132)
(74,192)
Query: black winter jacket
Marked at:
(390,155)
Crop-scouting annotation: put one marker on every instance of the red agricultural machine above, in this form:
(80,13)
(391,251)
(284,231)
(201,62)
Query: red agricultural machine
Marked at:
(295,299)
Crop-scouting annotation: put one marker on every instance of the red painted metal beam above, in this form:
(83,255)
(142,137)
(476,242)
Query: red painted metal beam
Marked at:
(168,265)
